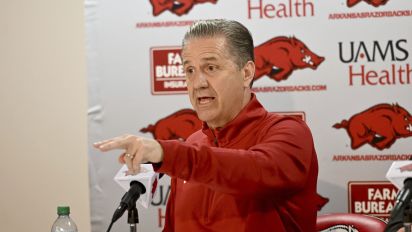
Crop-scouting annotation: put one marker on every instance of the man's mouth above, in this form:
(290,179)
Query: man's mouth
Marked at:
(204,100)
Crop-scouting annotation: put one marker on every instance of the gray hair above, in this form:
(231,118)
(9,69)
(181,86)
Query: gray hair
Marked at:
(238,38)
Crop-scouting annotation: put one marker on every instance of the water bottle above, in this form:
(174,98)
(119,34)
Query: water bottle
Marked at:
(63,222)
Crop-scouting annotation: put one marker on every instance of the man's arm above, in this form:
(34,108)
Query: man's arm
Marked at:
(280,162)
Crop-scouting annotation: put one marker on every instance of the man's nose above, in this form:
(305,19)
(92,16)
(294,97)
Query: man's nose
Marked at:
(200,81)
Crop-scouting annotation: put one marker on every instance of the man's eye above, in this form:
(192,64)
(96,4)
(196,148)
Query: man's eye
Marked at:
(211,68)
(189,71)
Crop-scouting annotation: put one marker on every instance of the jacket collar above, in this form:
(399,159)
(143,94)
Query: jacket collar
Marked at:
(243,123)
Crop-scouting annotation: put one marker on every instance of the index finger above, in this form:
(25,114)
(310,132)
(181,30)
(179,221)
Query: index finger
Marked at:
(115,143)
(100,143)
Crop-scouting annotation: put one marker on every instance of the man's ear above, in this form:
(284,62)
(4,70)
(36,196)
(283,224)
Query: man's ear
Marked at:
(248,73)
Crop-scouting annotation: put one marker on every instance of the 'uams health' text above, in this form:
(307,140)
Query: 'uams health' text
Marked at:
(377,62)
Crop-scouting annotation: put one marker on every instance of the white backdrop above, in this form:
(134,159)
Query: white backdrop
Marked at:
(125,41)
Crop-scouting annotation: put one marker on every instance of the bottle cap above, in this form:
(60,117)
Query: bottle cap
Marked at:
(63,210)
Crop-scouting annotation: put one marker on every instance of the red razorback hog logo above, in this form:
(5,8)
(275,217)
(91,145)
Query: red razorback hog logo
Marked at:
(177,7)
(280,56)
(179,125)
(379,126)
(374,3)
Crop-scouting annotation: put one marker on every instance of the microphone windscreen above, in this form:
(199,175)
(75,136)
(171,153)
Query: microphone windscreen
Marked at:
(147,176)
(399,172)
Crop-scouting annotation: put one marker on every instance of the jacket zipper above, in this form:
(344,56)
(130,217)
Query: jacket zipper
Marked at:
(215,140)
(210,195)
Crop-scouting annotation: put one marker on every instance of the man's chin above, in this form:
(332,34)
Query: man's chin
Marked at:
(205,116)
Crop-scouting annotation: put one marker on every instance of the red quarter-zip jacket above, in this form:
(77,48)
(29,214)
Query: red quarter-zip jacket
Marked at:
(257,173)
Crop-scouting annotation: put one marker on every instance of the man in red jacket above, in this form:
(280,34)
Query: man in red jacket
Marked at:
(247,169)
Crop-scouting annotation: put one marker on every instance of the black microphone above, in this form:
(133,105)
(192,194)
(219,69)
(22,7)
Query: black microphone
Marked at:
(402,201)
(404,196)
(128,200)
(147,177)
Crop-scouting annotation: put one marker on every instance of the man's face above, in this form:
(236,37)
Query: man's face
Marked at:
(216,85)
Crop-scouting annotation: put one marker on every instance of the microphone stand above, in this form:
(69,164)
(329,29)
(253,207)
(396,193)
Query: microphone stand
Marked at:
(407,217)
(129,202)
(132,216)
